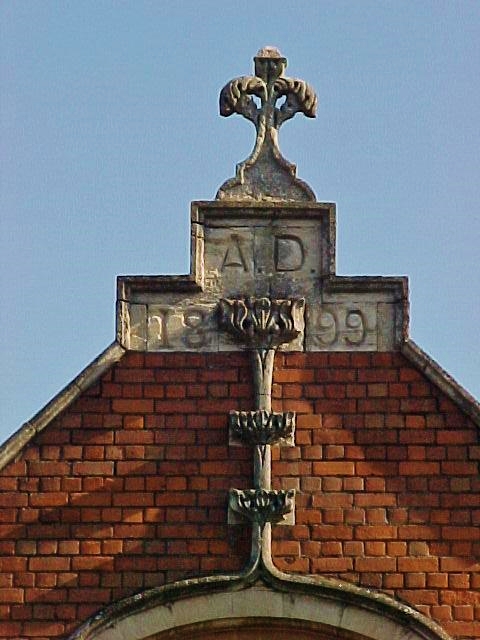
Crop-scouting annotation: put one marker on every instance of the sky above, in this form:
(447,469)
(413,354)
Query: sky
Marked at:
(109,127)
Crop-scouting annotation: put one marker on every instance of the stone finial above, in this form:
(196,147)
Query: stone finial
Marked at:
(266,174)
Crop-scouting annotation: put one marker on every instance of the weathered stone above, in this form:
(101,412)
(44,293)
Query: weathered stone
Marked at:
(137,327)
(265,174)
(389,331)
(279,603)
(288,259)
(262,323)
(279,251)
(229,259)
(262,427)
(183,327)
(261,506)
(341,327)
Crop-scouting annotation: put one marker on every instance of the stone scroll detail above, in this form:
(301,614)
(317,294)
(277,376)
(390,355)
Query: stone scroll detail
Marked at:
(262,506)
(265,174)
(262,427)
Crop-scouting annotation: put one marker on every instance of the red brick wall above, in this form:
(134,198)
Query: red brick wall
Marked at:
(388,478)
(128,489)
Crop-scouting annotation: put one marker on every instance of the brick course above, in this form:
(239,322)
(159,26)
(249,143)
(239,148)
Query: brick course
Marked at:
(128,488)
(391,490)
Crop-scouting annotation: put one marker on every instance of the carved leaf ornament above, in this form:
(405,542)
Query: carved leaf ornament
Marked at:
(235,97)
(300,97)
(261,505)
(262,427)
(270,86)
(260,323)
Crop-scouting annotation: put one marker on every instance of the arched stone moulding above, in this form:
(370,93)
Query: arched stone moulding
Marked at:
(260,597)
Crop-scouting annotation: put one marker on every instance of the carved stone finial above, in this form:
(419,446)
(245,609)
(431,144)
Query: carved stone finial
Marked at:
(265,174)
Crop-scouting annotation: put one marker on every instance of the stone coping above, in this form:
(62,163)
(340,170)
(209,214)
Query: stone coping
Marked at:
(441,379)
(245,208)
(92,372)
(128,287)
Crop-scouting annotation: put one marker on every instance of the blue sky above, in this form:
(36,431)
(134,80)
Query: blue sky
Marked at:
(110,127)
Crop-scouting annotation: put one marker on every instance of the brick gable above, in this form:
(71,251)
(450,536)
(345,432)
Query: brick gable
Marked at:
(127,488)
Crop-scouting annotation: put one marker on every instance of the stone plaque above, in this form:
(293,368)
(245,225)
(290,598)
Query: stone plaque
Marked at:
(277,250)
(342,326)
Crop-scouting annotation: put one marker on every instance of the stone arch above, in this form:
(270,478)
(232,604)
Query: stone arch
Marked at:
(257,629)
(216,609)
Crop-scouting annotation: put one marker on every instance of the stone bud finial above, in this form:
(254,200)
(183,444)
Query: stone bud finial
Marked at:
(265,174)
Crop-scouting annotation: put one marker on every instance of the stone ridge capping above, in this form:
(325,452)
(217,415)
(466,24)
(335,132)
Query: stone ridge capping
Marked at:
(85,379)
(281,208)
(128,285)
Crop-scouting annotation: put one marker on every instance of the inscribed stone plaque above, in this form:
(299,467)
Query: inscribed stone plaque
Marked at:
(275,250)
